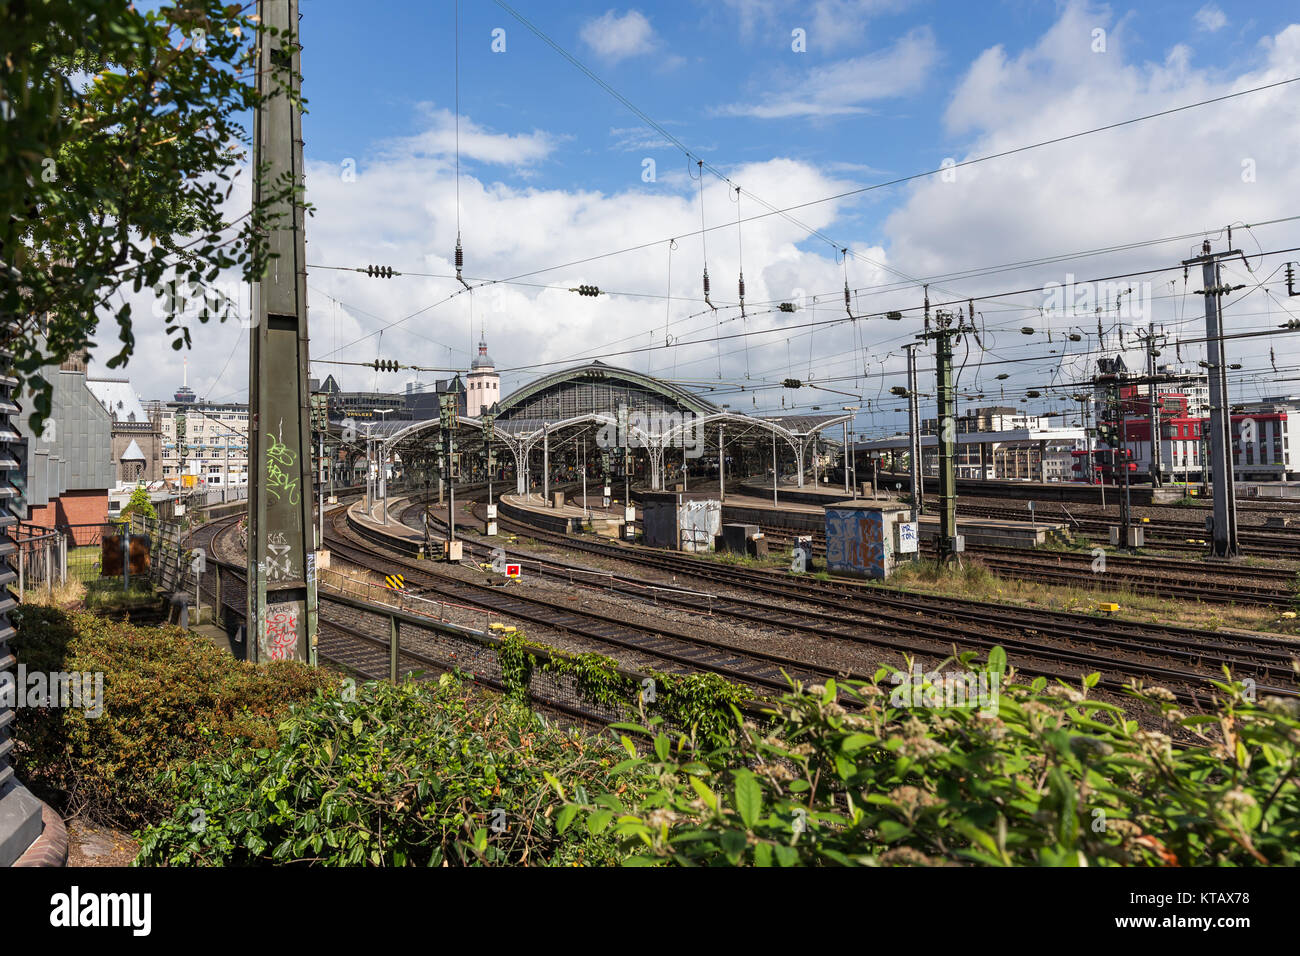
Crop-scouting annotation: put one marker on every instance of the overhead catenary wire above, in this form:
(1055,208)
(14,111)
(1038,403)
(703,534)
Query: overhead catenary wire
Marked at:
(784,212)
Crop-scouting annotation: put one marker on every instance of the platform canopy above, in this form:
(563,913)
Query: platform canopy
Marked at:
(604,408)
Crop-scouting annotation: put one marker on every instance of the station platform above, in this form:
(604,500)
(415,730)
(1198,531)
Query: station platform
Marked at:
(827,493)
(568,518)
(394,533)
(997,532)
(793,515)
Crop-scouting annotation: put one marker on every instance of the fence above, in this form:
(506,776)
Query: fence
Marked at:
(102,557)
(165,551)
(40,559)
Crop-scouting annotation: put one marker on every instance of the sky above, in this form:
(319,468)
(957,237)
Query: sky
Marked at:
(549,177)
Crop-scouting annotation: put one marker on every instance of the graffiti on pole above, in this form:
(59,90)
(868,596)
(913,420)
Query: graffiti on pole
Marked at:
(282,631)
(280,480)
(279,564)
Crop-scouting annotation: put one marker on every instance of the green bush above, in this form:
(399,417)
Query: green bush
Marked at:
(140,504)
(425,774)
(170,698)
(700,703)
(848,777)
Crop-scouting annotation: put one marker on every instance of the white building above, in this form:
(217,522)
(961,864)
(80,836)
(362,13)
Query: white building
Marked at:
(207,441)
(483,384)
(1194,385)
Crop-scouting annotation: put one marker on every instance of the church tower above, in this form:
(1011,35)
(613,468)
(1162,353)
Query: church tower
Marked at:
(483,384)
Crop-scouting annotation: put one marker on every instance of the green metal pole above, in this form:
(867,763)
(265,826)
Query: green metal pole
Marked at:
(282,617)
(947,446)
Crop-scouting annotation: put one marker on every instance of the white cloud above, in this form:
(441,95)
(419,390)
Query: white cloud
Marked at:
(830,24)
(614,37)
(847,86)
(1167,176)
(632,138)
(1163,177)
(1210,18)
(476,143)
(840,23)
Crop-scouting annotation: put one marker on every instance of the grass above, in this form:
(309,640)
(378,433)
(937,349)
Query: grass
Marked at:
(975,581)
(107,594)
(83,562)
(67,594)
(744,560)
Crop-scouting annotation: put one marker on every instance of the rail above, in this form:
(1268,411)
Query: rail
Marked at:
(418,639)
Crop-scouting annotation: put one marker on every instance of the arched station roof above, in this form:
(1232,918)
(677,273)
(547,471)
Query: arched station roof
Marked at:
(595,389)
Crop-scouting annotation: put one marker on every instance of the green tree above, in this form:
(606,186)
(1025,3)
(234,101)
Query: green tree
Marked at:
(140,504)
(123,137)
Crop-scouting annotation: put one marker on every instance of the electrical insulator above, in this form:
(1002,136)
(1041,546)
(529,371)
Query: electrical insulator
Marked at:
(1290,279)
(742,286)
(786,307)
(706,282)
(460,256)
(379,272)
(587,290)
(894,316)
(848,302)
(791,383)
(1076,337)
(899,390)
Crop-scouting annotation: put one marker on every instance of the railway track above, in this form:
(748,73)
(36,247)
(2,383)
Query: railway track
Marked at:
(1162,577)
(1165,533)
(358,641)
(1048,643)
(1207,581)
(677,649)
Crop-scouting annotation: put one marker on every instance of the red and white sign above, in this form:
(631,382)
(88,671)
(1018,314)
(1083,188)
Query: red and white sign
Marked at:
(512,570)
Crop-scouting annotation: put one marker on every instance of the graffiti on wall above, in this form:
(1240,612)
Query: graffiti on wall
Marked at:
(282,631)
(855,542)
(280,479)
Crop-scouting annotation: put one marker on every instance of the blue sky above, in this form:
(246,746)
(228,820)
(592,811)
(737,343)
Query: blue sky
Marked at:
(552,171)
(366,74)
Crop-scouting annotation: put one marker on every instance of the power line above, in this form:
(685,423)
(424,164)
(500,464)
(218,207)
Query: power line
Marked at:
(784,212)
(868,315)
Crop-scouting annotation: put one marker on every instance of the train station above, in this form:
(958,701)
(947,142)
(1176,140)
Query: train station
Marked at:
(602,422)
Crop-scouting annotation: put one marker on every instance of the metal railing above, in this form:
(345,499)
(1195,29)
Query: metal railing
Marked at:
(141,548)
(40,560)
